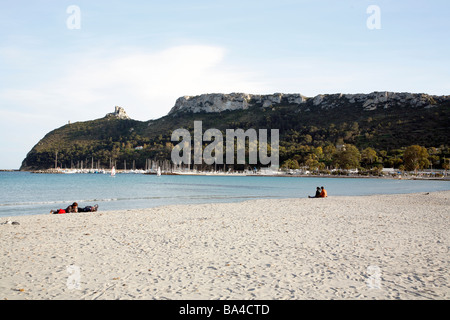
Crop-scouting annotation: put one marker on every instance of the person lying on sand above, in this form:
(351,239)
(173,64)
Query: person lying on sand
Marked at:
(74,208)
(89,209)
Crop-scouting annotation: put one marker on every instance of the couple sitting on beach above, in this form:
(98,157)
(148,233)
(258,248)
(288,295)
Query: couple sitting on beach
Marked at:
(320,193)
(74,208)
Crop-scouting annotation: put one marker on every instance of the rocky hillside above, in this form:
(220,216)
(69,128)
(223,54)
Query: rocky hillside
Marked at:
(388,122)
(240,101)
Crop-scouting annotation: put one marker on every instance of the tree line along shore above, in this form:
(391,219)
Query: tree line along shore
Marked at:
(340,160)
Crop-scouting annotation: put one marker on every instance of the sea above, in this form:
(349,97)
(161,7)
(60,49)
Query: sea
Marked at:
(25,193)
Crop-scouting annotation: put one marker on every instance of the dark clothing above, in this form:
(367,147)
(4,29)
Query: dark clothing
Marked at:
(88,209)
(317,194)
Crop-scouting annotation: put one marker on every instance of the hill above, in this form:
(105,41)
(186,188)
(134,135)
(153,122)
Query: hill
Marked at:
(310,129)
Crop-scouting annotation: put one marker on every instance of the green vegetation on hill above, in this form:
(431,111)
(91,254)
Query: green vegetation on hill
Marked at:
(310,135)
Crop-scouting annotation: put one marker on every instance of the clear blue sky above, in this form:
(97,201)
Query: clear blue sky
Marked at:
(143,55)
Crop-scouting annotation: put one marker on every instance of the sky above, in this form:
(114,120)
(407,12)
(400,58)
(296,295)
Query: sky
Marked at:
(76,60)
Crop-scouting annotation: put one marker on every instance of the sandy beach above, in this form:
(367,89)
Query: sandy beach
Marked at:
(365,247)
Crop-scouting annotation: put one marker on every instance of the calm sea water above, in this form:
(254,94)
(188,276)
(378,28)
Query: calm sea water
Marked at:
(23,193)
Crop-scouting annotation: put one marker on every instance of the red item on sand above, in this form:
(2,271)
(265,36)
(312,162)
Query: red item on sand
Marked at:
(61,211)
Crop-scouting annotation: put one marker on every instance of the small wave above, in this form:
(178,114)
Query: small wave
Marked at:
(228,186)
(28,203)
(33,203)
(95,200)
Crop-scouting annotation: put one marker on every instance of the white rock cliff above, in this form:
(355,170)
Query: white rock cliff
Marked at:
(218,102)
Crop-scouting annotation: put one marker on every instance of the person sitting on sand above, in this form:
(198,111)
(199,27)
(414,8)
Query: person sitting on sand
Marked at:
(323,193)
(318,191)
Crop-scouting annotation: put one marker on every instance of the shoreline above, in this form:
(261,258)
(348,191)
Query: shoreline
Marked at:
(350,176)
(241,201)
(358,247)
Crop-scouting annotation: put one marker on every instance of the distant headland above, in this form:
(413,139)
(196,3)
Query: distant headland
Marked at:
(321,134)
